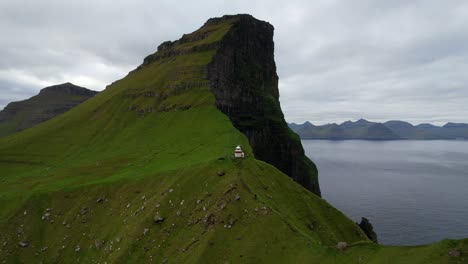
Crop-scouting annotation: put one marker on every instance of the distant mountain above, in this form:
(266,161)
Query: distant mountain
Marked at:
(408,131)
(294,126)
(49,103)
(447,131)
(361,129)
(390,130)
(453,130)
(455,125)
(331,131)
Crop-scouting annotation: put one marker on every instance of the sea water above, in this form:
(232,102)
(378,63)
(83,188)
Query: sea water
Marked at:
(413,192)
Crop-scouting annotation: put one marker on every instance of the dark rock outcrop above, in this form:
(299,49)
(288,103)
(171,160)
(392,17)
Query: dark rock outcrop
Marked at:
(49,103)
(368,229)
(245,84)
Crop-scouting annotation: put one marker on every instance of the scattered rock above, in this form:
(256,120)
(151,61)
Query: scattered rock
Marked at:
(221,173)
(44,249)
(182,202)
(25,212)
(454,253)
(128,205)
(20,230)
(178,213)
(84,210)
(342,245)
(210,219)
(77,249)
(98,243)
(171,190)
(158,219)
(222,206)
(143,197)
(199,201)
(23,244)
(237,197)
(100,200)
(145,231)
(46,216)
(158,205)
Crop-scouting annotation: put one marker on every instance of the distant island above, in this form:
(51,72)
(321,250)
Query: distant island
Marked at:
(390,130)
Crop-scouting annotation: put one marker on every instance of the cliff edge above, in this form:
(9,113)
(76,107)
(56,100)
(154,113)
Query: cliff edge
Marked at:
(244,81)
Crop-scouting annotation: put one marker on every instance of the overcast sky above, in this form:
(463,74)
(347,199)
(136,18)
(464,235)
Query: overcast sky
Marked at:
(337,60)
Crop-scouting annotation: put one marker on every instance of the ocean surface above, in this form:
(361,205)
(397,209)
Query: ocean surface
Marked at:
(413,192)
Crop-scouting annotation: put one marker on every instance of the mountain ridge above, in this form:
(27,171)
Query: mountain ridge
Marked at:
(390,130)
(50,102)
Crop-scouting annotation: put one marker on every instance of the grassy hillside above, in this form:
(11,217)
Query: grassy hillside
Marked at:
(133,176)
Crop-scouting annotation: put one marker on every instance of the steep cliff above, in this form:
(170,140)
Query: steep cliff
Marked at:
(244,81)
(49,103)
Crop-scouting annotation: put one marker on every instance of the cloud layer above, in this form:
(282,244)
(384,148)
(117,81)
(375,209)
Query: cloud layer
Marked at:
(337,60)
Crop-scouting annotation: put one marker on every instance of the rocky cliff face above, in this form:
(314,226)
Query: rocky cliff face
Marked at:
(368,229)
(50,102)
(244,81)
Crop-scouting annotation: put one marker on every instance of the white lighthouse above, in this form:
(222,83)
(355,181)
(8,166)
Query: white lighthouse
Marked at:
(238,153)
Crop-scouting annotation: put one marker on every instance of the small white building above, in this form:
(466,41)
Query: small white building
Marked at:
(238,153)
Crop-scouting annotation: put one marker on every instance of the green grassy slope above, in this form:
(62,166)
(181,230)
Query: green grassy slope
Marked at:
(87,186)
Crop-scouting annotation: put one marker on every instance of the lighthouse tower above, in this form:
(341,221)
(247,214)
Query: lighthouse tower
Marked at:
(238,153)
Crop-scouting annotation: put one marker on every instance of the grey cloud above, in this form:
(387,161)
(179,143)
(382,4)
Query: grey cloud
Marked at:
(337,60)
